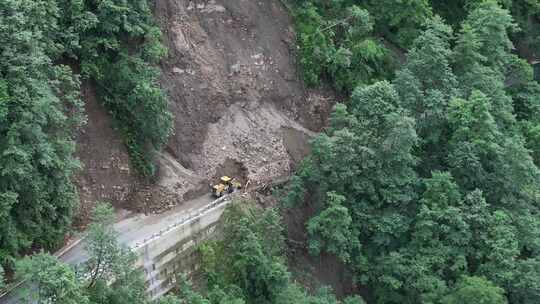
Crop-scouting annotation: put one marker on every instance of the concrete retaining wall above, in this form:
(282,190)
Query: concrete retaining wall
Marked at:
(174,251)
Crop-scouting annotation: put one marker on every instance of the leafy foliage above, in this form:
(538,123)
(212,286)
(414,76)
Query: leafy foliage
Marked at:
(426,186)
(52,281)
(400,20)
(526,13)
(39,111)
(248,265)
(2,278)
(115,43)
(334,41)
(426,83)
(475,290)
(108,261)
(109,275)
(331,229)
(117,51)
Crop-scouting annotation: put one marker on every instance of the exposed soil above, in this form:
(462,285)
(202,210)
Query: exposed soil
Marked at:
(295,142)
(240,109)
(233,168)
(255,140)
(311,272)
(229,52)
(106,174)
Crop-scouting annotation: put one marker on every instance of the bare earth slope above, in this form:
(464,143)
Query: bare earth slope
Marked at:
(239,107)
(106,174)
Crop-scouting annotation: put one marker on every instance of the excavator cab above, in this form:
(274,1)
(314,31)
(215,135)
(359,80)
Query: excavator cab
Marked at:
(226,185)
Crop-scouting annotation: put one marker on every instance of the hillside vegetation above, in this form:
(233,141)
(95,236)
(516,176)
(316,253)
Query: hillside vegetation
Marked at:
(47,48)
(427,183)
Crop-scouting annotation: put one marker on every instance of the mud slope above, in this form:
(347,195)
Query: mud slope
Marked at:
(106,174)
(239,107)
(234,91)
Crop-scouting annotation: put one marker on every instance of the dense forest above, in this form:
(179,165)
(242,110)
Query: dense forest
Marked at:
(48,48)
(425,182)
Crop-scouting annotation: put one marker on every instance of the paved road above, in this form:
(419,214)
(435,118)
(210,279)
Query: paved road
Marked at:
(132,231)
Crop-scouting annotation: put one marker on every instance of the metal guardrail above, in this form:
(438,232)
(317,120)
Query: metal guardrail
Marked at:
(182,221)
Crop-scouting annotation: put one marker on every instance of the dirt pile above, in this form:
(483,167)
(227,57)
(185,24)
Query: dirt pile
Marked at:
(238,103)
(239,106)
(229,52)
(252,137)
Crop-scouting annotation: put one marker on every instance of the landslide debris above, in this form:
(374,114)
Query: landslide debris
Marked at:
(234,90)
(233,87)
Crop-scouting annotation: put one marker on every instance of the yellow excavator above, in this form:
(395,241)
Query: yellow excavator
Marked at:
(226,185)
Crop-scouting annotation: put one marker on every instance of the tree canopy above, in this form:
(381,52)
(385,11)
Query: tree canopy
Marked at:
(426,185)
(109,276)
(40,109)
(44,44)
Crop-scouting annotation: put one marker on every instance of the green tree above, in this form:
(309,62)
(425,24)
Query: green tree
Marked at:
(247,257)
(532,133)
(110,263)
(124,72)
(271,227)
(366,160)
(483,58)
(471,290)
(475,212)
(40,106)
(334,40)
(101,244)
(526,100)
(527,14)
(525,286)
(441,226)
(169,300)
(2,278)
(258,275)
(50,281)
(400,20)
(482,157)
(489,25)
(332,230)
(426,84)
(129,285)
(385,179)
(40,111)
(437,249)
(354,300)
(245,267)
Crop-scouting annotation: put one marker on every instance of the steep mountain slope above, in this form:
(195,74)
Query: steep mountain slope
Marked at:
(239,106)
(234,91)
(107,174)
